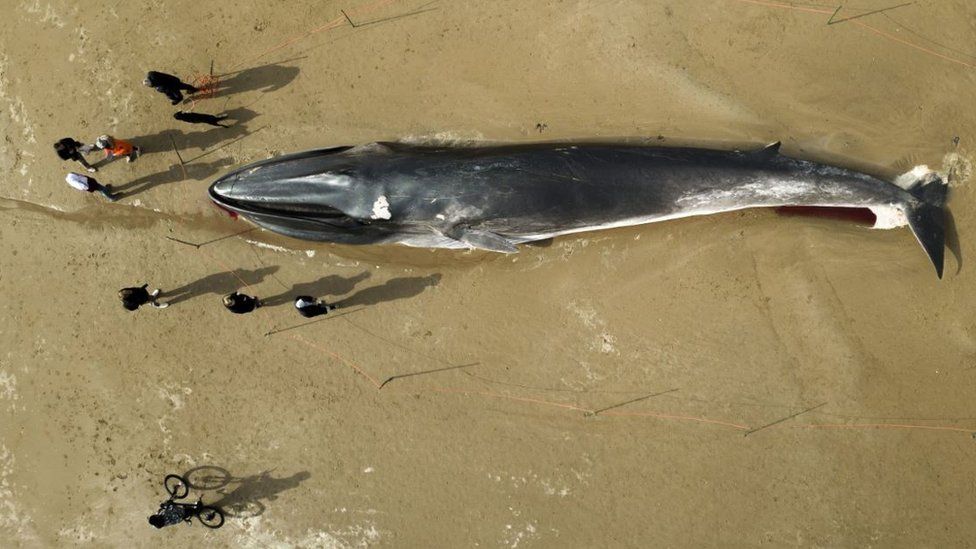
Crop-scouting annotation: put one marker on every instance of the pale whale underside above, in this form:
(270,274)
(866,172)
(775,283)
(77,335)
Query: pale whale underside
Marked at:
(496,197)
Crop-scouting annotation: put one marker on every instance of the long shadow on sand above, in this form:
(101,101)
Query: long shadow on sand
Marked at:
(265,78)
(327,285)
(218,284)
(952,239)
(162,142)
(247,495)
(196,171)
(391,290)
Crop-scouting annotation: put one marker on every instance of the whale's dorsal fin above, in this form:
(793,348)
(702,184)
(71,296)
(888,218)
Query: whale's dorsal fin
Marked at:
(483,240)
(770,150)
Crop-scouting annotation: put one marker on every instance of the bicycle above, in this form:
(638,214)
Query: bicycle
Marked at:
(171,512)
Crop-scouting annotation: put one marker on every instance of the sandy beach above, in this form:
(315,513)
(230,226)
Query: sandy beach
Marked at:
(744,379)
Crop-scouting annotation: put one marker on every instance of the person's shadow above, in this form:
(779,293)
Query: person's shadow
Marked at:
(218,283)
(327,285)
(162,142)
(266,78)
(207,138)
(391,290)
(247,497)
(197,171)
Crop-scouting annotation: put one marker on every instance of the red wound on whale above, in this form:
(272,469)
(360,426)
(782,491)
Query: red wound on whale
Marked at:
(859,216)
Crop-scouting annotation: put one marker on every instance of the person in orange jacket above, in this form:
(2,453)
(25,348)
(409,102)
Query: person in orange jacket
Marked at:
(115,148)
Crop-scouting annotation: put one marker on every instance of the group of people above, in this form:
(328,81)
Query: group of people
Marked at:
(236,302)
(70,149)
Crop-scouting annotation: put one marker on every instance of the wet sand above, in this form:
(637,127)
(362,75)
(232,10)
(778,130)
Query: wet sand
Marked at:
(742,379)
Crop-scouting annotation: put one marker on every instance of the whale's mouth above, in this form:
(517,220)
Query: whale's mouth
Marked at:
(235,207)
(858,216)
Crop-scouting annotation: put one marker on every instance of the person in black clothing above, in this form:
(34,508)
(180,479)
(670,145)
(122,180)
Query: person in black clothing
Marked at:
(200,118)
(308,306)
(168,85)
(169,514)
(69,149)
(241,303)
(133,298)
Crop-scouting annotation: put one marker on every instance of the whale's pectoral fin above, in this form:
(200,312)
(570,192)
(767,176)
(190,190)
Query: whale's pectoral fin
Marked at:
(483,240)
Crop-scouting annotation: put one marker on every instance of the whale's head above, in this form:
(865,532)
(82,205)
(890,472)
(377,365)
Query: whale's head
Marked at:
(322,195)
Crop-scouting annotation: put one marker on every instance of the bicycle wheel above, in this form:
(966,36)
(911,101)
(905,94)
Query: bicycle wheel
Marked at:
(176,486)
(211,517)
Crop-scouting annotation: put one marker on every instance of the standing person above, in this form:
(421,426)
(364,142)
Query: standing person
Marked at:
(133,298)
(168,85)
(200,118)
(238,303)
(89,184)
(308,306)
(69,149)
(115,148)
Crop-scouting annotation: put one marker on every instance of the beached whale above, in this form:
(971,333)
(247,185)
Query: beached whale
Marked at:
(496,197)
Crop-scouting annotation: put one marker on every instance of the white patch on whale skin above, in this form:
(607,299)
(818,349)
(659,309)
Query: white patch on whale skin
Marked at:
(454,212)
(786,192)
(911,178)
(888,217)
(381,208)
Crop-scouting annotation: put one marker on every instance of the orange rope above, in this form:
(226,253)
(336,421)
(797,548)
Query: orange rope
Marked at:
(863,25)
(338,357)
(913,45)
(334,23)
(785,6)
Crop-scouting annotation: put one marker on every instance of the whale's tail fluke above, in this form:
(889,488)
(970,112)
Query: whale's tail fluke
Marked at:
(926,217)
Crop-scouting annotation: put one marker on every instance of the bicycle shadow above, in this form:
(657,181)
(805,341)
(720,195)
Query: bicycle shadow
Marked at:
(247,498)
(197,171)
(217,283)
(327,285)
(391,290)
